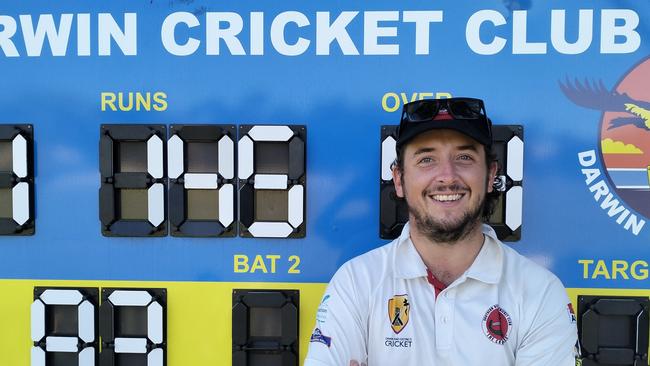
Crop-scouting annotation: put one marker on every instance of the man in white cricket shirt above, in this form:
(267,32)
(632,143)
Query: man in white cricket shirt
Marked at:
(447,291)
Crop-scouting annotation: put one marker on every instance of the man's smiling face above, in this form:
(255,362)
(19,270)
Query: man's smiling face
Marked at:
(445,180)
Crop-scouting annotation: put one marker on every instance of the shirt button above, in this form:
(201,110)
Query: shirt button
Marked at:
(446,295)
(444,320)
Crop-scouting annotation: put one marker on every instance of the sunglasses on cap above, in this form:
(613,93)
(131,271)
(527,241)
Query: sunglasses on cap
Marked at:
(466,115)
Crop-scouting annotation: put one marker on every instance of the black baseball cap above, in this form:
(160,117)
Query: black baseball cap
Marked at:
(465,115)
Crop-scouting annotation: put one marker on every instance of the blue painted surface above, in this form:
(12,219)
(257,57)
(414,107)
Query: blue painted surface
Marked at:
(339,98)
(626,178)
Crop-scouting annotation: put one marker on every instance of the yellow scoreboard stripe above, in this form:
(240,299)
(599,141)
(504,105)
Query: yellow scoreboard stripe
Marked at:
(199,317)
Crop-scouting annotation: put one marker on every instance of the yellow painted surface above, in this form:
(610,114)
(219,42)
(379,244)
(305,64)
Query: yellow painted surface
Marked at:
(198,317)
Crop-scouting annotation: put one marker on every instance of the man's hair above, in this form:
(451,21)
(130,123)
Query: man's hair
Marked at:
(491,198)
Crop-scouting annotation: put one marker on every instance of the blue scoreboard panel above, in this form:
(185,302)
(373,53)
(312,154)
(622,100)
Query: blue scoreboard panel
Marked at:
(179,179)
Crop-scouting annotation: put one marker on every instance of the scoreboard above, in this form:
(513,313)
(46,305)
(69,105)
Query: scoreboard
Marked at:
(179,179)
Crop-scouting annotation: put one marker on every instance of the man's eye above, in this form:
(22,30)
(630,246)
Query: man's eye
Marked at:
(425,160)
(466,157)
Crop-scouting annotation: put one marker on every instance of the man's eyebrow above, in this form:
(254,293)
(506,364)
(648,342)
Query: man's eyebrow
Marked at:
(471,147)
(423,150)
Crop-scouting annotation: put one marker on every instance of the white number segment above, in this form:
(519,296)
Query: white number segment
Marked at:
(201,181)
(19,150)
(85,321)
(61,344)
(20,202)
(516,159)
(271,181)
(246,161)
(61,297)
(38,356)
(514,205)
(175,157)
(226,205)
(270,133)
(154,325)
(270,229)
(227,157)
(156,204)
(155,157)
(154,322)
(130,298)
(155,357)
(296,194)
(87,357)
(38,320)
(130,345)
(388,155)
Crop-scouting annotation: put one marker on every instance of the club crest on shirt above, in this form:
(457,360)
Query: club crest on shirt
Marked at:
(399,309)
(497,324)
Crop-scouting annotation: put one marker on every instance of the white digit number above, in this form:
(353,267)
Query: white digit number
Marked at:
(154,325)
(53,343)
(20,192)
(226,154)
(270,229)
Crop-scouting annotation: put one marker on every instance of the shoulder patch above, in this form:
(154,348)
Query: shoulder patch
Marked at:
(319,337)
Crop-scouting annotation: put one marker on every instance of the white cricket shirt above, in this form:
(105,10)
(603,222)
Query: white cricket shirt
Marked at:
(380,309)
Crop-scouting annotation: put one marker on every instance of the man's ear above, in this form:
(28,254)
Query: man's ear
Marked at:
(491,176)
(397,181)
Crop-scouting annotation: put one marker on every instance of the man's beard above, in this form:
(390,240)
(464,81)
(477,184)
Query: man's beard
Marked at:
(447,232)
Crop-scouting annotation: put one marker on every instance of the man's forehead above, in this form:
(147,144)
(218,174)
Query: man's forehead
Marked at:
(433,139)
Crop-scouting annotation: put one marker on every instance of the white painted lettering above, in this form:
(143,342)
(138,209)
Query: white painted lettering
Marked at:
(277,33)
(599,189)
(609,31)
(214,32)
(257,34)
(168,37)
(45,28)
(612,205)
(83,34)
(473,32)
(422,20)
(587,158)
(634,224)
(520,44)
(591,174)
(108,30)
(336,31)
(9,27)
(558,32)
(372,33)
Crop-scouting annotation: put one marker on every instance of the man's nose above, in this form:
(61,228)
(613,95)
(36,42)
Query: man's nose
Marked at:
(446,172)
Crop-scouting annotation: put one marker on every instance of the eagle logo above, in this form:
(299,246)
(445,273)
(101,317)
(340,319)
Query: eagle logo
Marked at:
(624,130)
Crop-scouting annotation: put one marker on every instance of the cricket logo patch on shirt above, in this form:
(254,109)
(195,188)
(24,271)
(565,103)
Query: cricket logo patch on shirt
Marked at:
(399,309)
(497,324)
